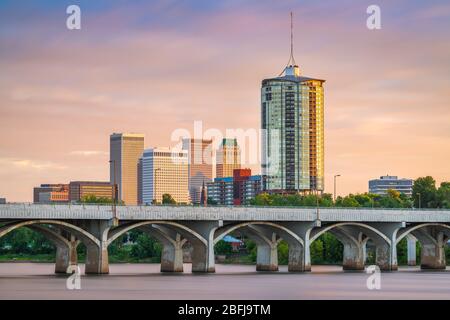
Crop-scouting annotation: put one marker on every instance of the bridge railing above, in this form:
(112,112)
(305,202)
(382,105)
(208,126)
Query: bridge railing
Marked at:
(103,205)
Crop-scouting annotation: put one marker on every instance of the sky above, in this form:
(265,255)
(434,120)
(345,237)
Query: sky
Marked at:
(157,66)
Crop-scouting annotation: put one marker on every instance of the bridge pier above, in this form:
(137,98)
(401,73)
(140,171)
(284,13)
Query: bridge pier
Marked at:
(203,258)
(353,257)
(383,257)
(172,255)
(433,248)
(267,257)
(411,249)
(296,258)
(97,261)
(66,255)
(172,251)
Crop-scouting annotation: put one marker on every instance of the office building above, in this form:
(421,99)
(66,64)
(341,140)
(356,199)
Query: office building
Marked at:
(78,190)
(382,185)
(51,193)
(236,190)
(228,158)
(2,200)
(292,121)
(164,171)
(125,151)
(200,167)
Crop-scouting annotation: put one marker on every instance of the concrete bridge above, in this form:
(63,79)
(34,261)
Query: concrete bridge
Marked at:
(97,227)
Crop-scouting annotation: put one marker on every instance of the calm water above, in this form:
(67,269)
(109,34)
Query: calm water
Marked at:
(143,281)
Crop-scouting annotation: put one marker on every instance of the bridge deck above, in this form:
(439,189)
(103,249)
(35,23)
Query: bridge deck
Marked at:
(244,213)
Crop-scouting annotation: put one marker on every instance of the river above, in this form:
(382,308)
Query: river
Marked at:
(144,281)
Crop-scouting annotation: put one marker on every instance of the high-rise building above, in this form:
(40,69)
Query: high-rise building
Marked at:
(125,151)
(228,158)
(200,165)
(164,171)
(236,190)
(51,193)
(78,190)
(292,119)
(382,185)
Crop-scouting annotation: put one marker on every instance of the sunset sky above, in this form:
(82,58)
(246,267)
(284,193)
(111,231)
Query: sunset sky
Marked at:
(155,66)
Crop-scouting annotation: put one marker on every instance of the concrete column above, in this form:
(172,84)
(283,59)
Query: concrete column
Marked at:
(386,245)
(66,255)
(296,256)
(383,257)
(307,253)
(172,255)
(364,247)
(200,254)
(203,246)
(97,260)
(411,247)
(353,257)
(267,257)
(433,254)
(303,230)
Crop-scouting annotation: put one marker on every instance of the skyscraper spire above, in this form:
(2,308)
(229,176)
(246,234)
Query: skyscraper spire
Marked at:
(291,58)
(291,68)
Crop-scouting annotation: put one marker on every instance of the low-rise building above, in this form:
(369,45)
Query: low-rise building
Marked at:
(384,183)
(236,190)
(2,200)
(81,189)
(51,193)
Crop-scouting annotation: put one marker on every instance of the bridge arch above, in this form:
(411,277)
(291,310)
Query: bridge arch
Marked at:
(409,230)
(223,231)
(267,236)
(343,224)
(82,234)
(119,231)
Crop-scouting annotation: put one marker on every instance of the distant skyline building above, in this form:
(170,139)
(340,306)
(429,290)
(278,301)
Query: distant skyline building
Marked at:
(236,190)
(125,151)
(384,183)
(51,193)
(200,165)
(2,200)
(81,189)
(292,119)
(228,158)
(164,171)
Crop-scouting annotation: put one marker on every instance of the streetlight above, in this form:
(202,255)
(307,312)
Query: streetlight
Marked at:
(317,205)
(420,200)
(114,209)
(335,176)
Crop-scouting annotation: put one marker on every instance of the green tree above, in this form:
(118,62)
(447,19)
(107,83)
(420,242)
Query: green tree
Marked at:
(424,190)
(443,195)
(211,201)
(167,199)
(223,248)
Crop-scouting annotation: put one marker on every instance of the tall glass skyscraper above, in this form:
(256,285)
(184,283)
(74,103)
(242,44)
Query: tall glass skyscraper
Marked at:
(292,119)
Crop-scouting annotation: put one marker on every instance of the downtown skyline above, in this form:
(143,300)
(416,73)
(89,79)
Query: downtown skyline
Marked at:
(63,92)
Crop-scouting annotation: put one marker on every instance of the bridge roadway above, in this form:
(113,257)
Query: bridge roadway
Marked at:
(202,227)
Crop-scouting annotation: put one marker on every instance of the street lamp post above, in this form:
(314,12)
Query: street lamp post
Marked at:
(317,205)
(420,200)
(335,176)
(114,203)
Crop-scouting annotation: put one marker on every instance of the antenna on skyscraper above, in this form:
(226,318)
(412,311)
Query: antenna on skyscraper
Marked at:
(291,61)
